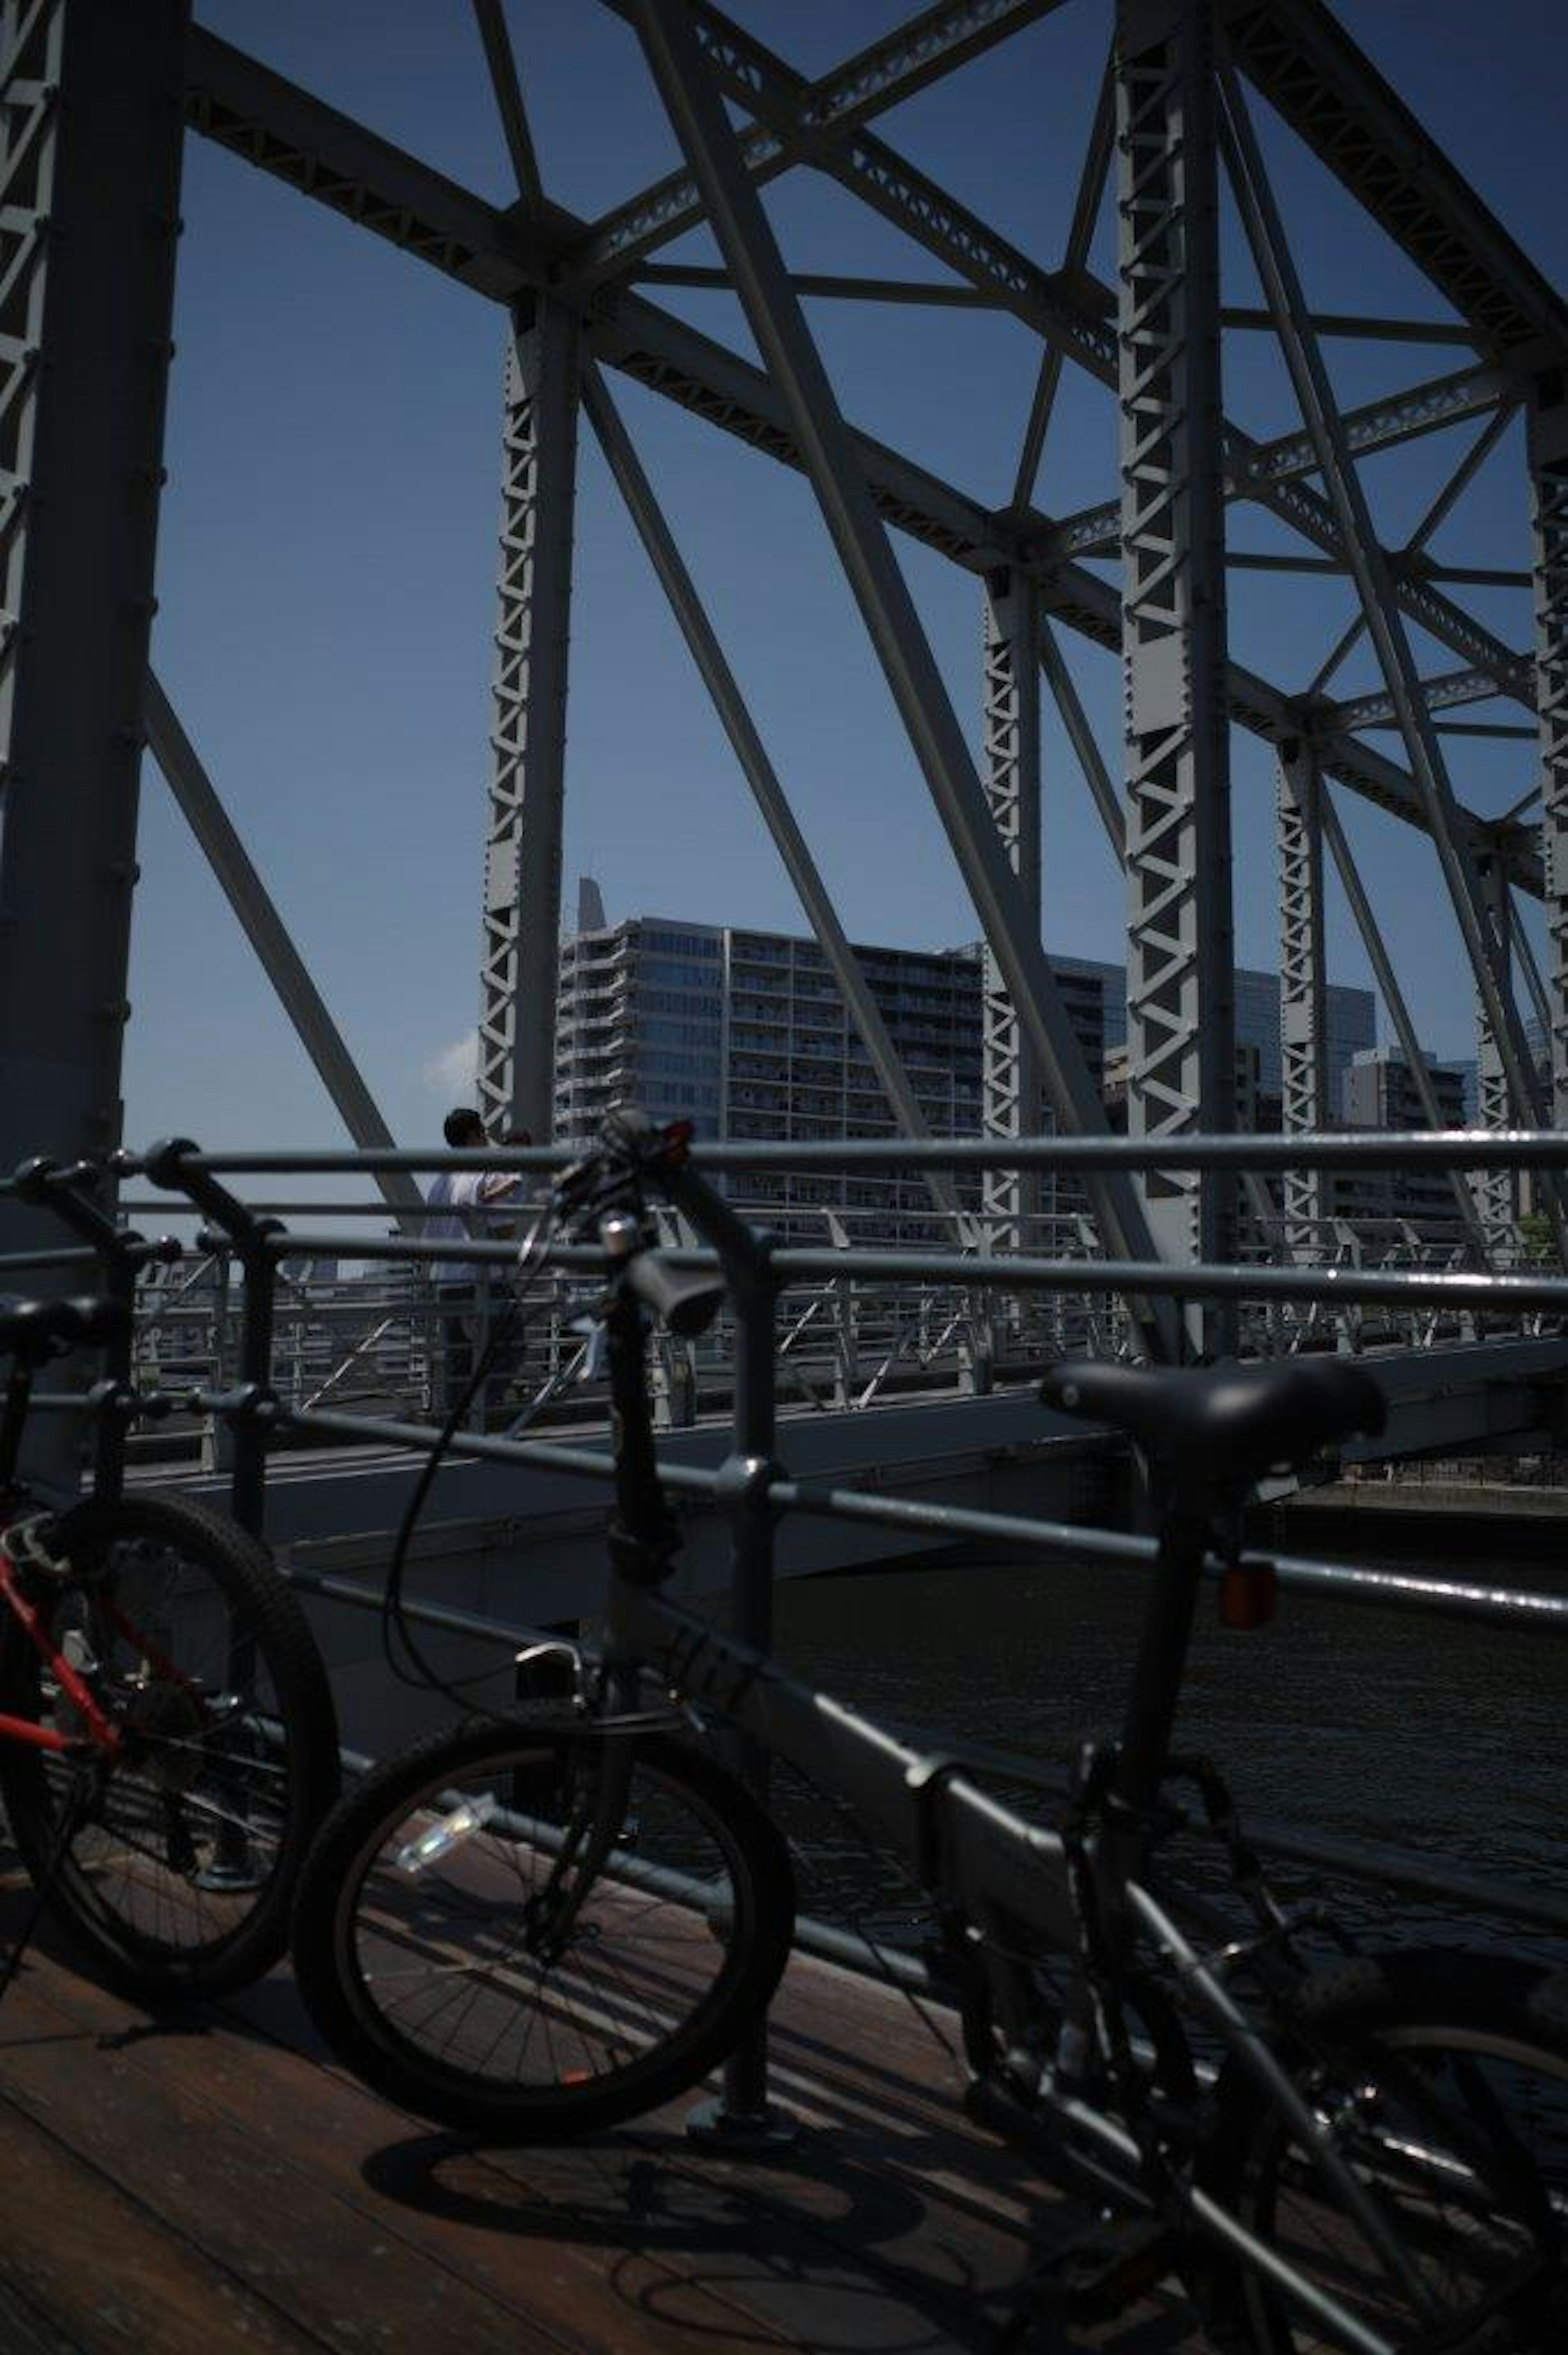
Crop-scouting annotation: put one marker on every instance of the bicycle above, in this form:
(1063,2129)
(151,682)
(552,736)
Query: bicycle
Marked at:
(168,1743)
(532,1930)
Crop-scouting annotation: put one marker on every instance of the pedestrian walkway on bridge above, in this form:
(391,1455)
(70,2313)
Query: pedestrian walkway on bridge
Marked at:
(185,2185)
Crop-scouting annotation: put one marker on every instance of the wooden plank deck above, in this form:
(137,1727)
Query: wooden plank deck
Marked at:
(178,2185)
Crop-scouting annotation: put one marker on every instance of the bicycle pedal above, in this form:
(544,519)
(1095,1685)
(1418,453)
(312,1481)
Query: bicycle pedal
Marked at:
(1103,2270)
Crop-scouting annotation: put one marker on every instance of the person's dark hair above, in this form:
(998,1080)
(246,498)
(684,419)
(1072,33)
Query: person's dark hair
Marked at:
(462,1127)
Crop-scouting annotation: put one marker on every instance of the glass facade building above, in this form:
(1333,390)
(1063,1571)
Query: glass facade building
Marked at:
(745,1034)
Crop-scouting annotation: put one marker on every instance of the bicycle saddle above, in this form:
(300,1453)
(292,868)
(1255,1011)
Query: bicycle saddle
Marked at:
(1212,1431)
(36,1329)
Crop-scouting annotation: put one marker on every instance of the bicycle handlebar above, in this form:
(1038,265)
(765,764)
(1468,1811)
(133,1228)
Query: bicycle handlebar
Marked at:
(635,1155)
(686,1303)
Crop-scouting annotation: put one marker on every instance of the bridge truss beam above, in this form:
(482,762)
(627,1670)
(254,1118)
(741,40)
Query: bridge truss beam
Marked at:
(90,178)
(1303,987)
(1181,1027)
(1010,1077)
(520,951)
(563,283)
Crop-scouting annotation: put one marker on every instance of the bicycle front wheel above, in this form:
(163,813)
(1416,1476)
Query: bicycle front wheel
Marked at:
(172,1860)
(535,1933)
(1444,2079)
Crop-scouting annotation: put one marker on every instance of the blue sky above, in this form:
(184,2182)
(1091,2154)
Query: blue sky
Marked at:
(328,536)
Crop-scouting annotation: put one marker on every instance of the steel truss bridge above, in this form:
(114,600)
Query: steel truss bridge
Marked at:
(99,100)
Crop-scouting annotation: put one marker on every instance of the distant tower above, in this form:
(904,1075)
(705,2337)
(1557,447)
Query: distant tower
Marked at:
(590,905)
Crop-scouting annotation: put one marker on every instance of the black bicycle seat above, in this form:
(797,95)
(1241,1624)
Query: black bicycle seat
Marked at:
(1214,1431)
(36,1329)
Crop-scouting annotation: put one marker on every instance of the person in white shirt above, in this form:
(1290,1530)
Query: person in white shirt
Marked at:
(457,1197)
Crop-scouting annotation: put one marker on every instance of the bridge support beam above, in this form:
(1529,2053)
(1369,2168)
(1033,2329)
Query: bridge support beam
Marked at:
(1010,1077)
(1303,988)
(1179,986)
(1374,581)
(1496,1191)
(521,943)
(1547,447)
(829,456)
(92,103)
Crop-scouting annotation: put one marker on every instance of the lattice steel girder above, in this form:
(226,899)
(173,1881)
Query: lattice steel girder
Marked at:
(1303,984)
(1065,307)
(1379,425)
(234,99)
(1299,345)
(522,909)
(892,70)
(1294,501)
(716,384)
(1333,96)
(1496,1192)
(632,482)
(1547,441)
(90,178)
(1445,693)
(1011,1075)
(1068,307)
(268,935)
(1179,955)
(285,131)
(773,316)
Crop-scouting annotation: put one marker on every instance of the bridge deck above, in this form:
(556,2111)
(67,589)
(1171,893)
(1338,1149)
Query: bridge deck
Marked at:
(210,2182)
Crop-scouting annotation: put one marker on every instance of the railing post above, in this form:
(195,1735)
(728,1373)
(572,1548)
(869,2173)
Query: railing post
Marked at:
(743,2118)
(63,1188)
(169,1164)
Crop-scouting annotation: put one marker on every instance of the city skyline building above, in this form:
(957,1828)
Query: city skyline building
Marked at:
(745,1032)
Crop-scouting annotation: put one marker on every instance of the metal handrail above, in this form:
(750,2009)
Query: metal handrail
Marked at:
(1367,1860)
(1478,1148)
(258,1416)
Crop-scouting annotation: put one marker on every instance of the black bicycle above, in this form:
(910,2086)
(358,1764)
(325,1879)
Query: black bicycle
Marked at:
(168,1743)
(534,1930)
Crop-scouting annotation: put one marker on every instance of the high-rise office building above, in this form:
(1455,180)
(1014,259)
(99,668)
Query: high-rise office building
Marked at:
(746,1033)
(1380,1092)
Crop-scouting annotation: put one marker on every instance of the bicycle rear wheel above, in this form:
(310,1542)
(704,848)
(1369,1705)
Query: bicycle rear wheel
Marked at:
(1444,2077)
(460,1948)
(181,1849)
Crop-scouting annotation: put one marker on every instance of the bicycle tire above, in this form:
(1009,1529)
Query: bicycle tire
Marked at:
(1435,2044)
(436,1987)
(178,1881)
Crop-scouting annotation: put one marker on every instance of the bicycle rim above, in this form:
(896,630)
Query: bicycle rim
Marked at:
(509,1984)
(178,1874)
(1450,2101)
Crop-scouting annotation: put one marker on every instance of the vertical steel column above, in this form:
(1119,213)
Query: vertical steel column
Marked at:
(521,947)
(1548,448)
(1180,961)
(1496,1192)
(1012,1082)
(1303,991)
(90,125)
(90,129)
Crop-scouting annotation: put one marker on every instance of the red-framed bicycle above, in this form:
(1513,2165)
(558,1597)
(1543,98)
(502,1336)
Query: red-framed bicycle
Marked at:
(167,1738)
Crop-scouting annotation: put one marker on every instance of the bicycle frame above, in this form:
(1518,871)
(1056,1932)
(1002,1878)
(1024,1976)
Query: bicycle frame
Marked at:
(101,1733)
(984,1865)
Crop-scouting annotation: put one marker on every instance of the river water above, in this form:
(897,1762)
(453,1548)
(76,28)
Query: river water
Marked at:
(1431,1735)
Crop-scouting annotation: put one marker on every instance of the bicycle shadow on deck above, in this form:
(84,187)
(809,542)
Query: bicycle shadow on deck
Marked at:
(832,2246)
